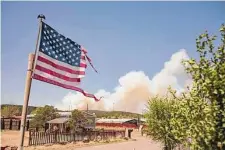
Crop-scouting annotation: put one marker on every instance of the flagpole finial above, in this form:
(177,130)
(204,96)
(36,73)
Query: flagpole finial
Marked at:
(41,16)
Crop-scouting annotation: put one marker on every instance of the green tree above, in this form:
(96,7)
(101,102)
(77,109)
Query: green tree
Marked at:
(208,76)
(10,111)
(191,121)
(158,116)
(200,114)
(42,115)
(78,120)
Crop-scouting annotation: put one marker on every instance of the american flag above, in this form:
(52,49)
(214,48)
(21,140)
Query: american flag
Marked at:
(60,61)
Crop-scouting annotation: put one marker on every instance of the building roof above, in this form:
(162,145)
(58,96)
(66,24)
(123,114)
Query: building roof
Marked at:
(112,120)
(69,113)
(65,113)
(31,115)
(89,114)
(143,119)
(58,120)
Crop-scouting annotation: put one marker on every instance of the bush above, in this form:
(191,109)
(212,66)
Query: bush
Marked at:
(158,117)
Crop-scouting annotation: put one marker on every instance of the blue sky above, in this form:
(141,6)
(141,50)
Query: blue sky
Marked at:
(119,36)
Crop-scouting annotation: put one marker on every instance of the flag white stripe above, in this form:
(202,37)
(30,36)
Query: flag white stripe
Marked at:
(62,63)
(47,66)
(48,76)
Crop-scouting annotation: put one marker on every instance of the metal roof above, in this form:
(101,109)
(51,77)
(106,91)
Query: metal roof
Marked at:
(89,114)
(69,113)
(59,120)
(31,115)
(112,120)
(143,119)
(65,113)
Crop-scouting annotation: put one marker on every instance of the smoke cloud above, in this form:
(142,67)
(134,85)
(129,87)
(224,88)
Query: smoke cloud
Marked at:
(134,88)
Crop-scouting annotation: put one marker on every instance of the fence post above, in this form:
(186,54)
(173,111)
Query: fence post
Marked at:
(29,137)
(3,124)
(10,124)
(46,126)
(28,125)
(19,124)
(55,137)
(74,136)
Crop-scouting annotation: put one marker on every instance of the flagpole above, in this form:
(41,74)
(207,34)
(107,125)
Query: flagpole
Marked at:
(31,60)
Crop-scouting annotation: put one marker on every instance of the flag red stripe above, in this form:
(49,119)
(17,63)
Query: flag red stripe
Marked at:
(89,60)
(82,57)
(37,77)
(42,59)
(48,71)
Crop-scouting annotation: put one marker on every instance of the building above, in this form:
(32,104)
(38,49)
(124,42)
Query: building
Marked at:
(61,122)
(117,123)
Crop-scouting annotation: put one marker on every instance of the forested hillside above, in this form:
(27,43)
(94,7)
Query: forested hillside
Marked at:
(17,109)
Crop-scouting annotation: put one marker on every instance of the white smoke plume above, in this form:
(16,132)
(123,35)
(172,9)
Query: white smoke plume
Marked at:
(134,88)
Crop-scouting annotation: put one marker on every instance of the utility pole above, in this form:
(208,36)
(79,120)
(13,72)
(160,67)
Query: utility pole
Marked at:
(70,105)
(113,106)
(87,107)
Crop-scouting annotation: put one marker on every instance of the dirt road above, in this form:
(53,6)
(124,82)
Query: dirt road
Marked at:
(141,143)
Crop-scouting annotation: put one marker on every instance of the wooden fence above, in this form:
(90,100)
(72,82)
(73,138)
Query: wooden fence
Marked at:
(40,138)
(12,124)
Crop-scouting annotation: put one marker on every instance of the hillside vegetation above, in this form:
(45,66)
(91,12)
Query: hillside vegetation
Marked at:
(17,110)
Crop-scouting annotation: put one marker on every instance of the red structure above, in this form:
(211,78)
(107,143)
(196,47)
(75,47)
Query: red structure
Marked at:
(117,123)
